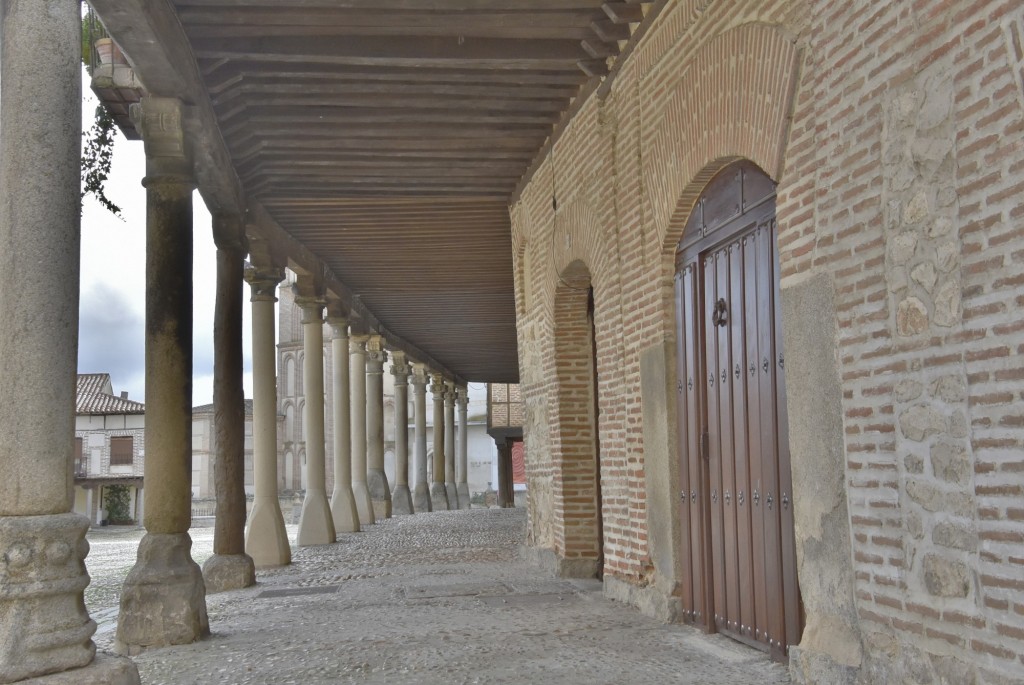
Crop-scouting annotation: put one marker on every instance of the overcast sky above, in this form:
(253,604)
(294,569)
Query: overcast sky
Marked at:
(113,297)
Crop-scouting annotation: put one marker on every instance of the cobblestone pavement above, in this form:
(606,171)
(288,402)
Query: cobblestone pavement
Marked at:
(436,598)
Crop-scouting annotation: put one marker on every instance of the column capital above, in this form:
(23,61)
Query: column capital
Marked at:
(229,232)
(449,392)
(312,309)
(375,352)
(263,281)
(357,343)
(338,324)
(420,376)
(462,395)
(437,385)
(160,123)
(400,367)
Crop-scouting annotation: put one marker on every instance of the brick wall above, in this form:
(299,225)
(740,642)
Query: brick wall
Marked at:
(896,133)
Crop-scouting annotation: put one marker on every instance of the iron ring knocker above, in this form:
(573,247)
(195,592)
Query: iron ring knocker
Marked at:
(718,316)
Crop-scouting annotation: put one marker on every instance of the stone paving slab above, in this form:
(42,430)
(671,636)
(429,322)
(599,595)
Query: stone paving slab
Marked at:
(438,598)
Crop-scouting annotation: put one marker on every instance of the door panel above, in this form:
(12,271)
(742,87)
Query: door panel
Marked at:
(735,482)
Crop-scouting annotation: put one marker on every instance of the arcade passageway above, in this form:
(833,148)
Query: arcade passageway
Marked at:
(438,598)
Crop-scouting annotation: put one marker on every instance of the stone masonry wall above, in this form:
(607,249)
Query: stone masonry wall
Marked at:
(896,134)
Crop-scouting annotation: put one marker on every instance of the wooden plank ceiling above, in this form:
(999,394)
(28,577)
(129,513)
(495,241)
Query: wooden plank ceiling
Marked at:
(388,135)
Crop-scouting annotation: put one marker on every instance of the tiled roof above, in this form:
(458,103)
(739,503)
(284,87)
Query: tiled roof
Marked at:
(94,382)
(208,408)
(90,397)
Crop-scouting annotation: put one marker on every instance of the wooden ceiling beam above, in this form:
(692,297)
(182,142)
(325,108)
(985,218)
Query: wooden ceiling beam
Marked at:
(609,31)
(624,12)
(323,104)
(281,92)
(401,5)
(415,51)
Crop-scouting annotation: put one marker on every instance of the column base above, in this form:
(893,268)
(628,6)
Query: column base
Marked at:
(163,601)
(343,510)
(453,496)
(266,540)
(401,500)
(104,670)
(364,505)
(44,626)
(421,499)
(380,495)
(463,491)
(316,524)
(223,572)
(438,497)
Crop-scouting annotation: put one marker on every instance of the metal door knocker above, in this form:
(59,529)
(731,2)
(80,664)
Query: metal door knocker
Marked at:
(718,317)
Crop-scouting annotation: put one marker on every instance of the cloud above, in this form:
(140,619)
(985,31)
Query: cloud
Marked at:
(110,338)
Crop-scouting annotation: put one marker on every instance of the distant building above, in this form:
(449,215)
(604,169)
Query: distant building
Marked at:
(204,448)
(109,446)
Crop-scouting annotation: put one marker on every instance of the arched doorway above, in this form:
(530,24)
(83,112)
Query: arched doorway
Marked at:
(578,498)
(737,525)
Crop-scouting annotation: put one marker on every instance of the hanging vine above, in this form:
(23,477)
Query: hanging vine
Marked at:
(96,160)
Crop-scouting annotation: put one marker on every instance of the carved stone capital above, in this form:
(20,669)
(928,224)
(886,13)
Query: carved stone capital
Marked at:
(420,377)
(437,385)
(263,281)
(400,367)
(338,324)
(462,396)
(357,343)
(160,123)
(312,309)
(449,393)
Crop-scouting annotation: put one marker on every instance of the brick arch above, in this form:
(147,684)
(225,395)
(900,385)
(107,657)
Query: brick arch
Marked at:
(576,483)
(734,101)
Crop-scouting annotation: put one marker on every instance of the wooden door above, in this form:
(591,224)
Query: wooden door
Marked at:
(739,576)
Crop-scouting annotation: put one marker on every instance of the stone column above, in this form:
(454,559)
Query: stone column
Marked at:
(506,493)
(266,540)
(343,502)
(449,446)
(401,498)
(230,567)
(462,447)
(438,492)
(44,626)
(316,524)
(357,419)
(421,490)
(164,598)
(376,479)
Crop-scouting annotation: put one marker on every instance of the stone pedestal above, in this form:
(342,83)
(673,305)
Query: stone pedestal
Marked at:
(449,446)
(164,597)
(462,448)
(438,492)
(104,670)
(376,479)
(163,600)
(343,501)
(421,489)
(316,525)
(223,572)
(266,539)
(401,498)
(357,378)
(44,626)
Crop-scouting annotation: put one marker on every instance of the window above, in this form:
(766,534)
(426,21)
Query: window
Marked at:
(121,451)
(80,466)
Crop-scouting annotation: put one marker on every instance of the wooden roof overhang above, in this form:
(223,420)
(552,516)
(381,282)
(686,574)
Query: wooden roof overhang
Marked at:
(378,142)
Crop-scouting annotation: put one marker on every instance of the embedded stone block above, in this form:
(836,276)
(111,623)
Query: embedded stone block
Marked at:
(946,577)
(163,601)
(44,627)
(223,572)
